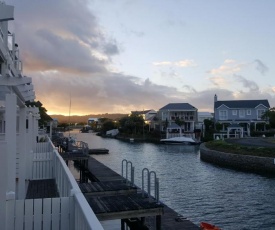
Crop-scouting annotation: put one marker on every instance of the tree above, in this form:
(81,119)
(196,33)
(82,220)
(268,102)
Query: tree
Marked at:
(270,115)
(107,125)
(44,117)
(179,122)
(132,124)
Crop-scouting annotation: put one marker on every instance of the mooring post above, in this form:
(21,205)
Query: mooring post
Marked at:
(158,222)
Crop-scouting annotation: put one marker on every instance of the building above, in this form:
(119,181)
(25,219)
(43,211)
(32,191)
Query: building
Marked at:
(182,113)
(25,160)
(148,116)
(243,115)
(204,116)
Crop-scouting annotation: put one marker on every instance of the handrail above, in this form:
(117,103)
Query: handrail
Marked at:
(132,171)
(84,215)
(156,185)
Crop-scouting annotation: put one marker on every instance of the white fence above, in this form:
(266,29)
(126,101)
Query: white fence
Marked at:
(46,214)
(70,211)
(222,136)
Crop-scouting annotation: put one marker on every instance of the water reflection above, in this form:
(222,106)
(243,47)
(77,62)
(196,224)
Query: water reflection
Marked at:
(195,189)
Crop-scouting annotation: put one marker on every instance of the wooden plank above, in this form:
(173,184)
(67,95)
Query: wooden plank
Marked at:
(10,214)
(29,216)
(19,213)
(47,215)
(37,219)
(55,213)
(65,215)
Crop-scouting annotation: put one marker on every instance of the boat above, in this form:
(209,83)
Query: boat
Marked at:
(180,140)
(208,226)
(175,135)
(99,151)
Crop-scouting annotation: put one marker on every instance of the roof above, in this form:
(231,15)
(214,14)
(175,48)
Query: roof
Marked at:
(178,106)
(205,114)
(242,103)
(141,112)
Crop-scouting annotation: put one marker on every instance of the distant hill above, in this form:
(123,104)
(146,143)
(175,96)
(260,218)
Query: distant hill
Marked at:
(84,119)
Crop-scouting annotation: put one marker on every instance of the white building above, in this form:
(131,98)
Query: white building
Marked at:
(23,159)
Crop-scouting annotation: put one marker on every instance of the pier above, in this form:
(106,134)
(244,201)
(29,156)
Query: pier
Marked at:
(112,198)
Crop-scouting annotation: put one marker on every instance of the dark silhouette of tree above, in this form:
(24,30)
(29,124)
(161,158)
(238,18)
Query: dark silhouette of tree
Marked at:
(270,115)
(44,117)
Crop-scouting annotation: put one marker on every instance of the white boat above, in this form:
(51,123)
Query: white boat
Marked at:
(174,135)
(179,140)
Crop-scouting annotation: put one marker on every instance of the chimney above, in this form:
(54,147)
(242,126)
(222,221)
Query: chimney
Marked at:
(215,98)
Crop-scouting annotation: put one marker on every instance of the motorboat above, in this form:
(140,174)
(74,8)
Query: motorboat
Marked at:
(180,140)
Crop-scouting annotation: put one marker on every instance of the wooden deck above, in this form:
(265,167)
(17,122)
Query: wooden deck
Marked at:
(132,206)
(107,188)
(123,207)
(42,189)
(74,156)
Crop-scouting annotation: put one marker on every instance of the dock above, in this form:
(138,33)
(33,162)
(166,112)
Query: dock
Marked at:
(131,207)
(113,198)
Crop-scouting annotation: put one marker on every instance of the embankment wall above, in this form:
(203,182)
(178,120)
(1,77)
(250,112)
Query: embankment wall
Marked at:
(237,161)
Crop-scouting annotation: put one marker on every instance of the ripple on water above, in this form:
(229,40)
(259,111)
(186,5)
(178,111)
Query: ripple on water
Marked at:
(197,190)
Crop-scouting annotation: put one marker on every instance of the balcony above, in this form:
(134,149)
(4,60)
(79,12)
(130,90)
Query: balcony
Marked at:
(68,211)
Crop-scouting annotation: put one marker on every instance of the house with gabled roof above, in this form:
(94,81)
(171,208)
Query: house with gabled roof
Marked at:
(183,112)
(241,112)
(146,114)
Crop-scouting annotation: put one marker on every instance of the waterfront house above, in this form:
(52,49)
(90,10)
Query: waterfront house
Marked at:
(25,161)
(182,114)
(148,116)
(240,115)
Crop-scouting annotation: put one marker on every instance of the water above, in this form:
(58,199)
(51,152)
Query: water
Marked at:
(197,190)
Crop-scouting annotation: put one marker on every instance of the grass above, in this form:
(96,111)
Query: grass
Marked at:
(223,146)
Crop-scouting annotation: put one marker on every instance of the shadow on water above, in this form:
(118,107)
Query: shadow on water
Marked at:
(197,190)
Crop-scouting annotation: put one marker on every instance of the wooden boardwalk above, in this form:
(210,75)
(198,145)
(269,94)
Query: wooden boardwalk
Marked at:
(131,205)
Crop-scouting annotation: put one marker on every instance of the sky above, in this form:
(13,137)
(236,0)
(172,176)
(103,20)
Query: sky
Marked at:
(118,56)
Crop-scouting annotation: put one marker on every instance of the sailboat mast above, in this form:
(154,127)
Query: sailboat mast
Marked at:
(70,114)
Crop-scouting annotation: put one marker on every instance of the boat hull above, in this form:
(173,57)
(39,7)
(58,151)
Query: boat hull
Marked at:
(179,140)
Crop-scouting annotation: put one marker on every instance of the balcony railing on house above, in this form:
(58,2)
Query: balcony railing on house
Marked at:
(69,211)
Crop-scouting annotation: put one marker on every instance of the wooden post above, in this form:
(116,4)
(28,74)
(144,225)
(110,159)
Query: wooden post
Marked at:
(122,227)
(158,222)
(10,137)
(22,154)
(3,183)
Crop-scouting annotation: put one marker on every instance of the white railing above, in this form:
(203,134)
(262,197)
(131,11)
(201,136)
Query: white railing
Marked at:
(33,214)
(222,136)
(70,211)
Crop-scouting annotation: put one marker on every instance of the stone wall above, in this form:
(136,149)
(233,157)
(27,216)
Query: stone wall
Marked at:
(237,161)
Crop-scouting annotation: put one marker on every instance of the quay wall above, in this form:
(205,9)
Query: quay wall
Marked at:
(237,161)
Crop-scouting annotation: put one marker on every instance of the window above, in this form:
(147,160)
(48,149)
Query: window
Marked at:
(241,113)
(260,113)
(248,112)
(223,114)
(234,112)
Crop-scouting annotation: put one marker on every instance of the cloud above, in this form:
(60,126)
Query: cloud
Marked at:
(182,63)
(227,68)
(66,52)
(261,67)
(65,35)
(251,85)
(189,88)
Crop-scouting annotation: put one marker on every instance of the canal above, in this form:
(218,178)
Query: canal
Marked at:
(199,191)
